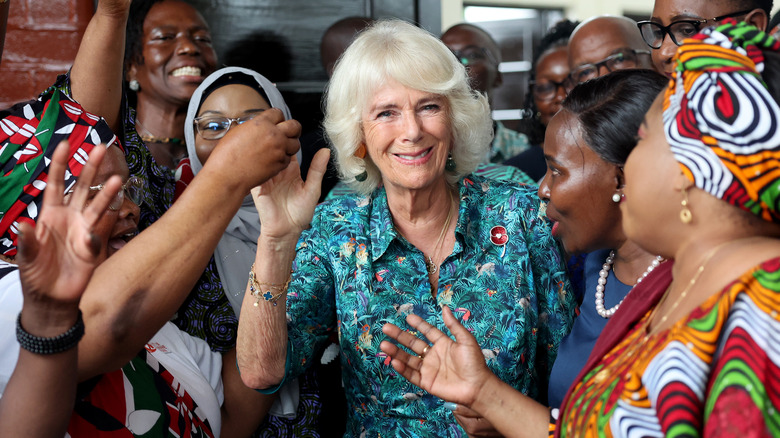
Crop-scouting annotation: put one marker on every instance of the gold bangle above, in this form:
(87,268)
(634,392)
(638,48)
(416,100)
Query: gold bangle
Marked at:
(256,290)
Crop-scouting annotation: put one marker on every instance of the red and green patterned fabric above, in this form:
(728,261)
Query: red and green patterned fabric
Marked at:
(142,399)
(715,372)
(29,132)
(721,121)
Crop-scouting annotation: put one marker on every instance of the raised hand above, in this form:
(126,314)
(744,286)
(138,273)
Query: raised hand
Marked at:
(285,203)
(57,257)
(255,151)
(117,7)
(452,370)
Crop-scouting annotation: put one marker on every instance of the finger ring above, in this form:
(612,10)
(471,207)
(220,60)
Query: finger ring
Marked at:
(425,350)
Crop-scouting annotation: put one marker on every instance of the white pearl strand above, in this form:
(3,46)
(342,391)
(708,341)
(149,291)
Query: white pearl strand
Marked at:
(607,313)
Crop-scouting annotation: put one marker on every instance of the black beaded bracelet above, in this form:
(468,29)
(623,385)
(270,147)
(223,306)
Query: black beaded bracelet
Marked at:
(57,344)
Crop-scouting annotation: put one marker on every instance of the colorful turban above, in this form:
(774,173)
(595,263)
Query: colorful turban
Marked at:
(29,133)
(720,120)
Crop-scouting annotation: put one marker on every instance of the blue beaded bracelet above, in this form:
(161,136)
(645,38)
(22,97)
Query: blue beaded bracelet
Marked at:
(54,345)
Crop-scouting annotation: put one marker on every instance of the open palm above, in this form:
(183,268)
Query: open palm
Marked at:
(452,370)
(57,257)
(285,203)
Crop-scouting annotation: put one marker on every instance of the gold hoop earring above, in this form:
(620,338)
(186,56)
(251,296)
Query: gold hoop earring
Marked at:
(685,214)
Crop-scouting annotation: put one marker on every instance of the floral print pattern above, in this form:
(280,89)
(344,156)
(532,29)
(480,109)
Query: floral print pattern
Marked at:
(354,272)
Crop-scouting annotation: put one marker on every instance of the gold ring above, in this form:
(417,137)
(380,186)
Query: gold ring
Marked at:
(425,350)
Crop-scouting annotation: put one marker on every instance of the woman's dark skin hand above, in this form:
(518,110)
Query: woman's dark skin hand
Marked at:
(56,260)
(273,140)
(452,370)
(475,425)
(456,372)
(57,257)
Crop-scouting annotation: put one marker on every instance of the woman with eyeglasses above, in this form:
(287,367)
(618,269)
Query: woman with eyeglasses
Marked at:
(227,98)
(138,374)
(546,91)
(674,20)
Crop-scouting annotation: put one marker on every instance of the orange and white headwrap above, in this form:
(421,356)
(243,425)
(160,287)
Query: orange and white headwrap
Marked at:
(720,120)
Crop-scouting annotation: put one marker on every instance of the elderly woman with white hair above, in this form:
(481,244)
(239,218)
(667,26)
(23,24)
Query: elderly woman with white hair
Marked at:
(421,231)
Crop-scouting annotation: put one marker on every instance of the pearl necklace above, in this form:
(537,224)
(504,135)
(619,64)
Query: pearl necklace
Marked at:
(607,313)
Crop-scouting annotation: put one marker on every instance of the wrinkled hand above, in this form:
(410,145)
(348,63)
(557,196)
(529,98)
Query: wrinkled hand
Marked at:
(474,424)
(285,203)
(452,370)
(57,257)
(256,150)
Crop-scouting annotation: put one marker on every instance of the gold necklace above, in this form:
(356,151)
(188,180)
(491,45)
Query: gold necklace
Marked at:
(149,138)
(430,265)
(683,294)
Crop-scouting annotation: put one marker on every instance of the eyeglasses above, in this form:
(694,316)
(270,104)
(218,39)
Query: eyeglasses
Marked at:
(547,90)
(653,32)
(623,59)
(214,128)
(474,54)
(133,188)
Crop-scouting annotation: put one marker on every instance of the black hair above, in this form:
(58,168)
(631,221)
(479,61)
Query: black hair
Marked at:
(771,73)
(134,30)
(766,5)
(235,78)
(611,108)
(773,22)
(557,36)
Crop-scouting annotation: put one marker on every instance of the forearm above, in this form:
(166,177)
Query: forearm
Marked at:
(262,329)
(133,293)
(244,408)
(38,400)
(96,77)
(512,413)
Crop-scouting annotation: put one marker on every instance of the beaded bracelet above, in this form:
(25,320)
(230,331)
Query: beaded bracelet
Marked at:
(254,288)
(56,344)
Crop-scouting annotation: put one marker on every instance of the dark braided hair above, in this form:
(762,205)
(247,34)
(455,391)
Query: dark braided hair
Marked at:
(557,36)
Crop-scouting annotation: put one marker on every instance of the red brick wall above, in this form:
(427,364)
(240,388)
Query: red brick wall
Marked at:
(41,42)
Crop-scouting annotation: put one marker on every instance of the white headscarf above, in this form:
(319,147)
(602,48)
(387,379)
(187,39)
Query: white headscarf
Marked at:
(237,247)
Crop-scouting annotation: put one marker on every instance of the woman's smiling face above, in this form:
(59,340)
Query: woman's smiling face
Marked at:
(176,50)
(407,136)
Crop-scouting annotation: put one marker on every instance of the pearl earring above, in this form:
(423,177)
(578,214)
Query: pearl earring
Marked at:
(134,85)
(616,198)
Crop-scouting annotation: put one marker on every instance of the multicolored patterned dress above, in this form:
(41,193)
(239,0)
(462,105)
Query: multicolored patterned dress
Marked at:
(206,313)
(505,280)
(713,373)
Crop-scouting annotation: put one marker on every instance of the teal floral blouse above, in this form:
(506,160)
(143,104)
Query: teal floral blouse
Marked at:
(354,272)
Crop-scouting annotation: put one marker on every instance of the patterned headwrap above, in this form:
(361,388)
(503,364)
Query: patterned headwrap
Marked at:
(29,133)
(720,120)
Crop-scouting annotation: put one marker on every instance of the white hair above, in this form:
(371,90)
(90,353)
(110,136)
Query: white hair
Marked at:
(398,51)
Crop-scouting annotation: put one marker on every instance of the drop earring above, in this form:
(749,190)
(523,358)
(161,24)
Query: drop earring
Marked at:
(685,214)
(450,165)
(361,152)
